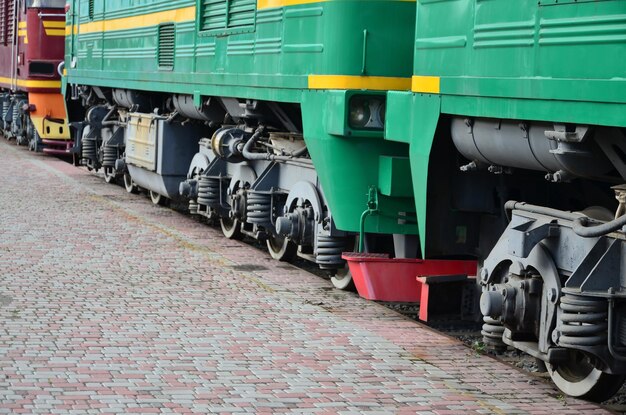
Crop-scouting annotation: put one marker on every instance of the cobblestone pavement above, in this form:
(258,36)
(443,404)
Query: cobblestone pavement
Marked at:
(109,304)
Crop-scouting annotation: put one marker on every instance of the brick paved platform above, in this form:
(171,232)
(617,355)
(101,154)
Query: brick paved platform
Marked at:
(109,304)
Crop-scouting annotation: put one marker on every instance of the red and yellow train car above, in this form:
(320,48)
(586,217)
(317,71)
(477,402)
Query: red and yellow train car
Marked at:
(32,41)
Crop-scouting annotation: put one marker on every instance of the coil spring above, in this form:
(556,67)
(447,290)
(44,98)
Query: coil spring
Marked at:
(329,250)
(583,321)
(209,191)
(15,116)
(5,110)
(193,207)
(109,156)
(89,149)
(492,332)
(259,208)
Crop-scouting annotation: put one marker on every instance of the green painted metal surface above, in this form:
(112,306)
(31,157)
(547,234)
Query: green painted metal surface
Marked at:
(548,60)
(349,165)
(544,51)
(392,172)
(267,56)
(286,45)
(412,118)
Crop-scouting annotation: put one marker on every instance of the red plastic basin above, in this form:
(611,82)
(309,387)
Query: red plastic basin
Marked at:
(378,277)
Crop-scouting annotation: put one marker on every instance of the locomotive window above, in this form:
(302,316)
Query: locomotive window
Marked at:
(46,4)
(41,68)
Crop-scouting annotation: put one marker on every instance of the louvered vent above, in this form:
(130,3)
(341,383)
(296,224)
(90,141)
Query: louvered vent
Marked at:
(213,14)
(222,15)
(91,9)
(241,13)
(10,21)
(167,37)
(3,22)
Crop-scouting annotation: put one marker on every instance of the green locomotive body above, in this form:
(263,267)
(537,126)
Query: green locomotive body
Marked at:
(294,71)
(302,123)
(523,100)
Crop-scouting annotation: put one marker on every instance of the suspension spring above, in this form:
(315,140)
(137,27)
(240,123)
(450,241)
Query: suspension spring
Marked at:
(329,250)
(15,117)
(89,149)
(492,332)
(209,191)
(109,156)
(193,207)
(5,108)
(583,321)
(259,208)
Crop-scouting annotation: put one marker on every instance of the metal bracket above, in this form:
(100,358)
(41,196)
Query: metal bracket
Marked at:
(522,241)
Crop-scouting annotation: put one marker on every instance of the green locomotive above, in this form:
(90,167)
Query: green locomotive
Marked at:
(524,101)
(297,122)
(270,113)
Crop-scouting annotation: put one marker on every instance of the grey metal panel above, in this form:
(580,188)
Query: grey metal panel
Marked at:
(177,145)
(158,153)
(163,185)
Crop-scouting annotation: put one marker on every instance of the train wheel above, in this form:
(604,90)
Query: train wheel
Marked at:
(281,248)
(231,228)
(109,175)
(578,377)
(342,280)
(158,199)
(129,184)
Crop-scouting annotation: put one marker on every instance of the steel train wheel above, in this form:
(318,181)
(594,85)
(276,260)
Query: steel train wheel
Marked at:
(281,248)
(129,184)
(581,379)
(342,280)
(158,199)
(231,228)
(109,175)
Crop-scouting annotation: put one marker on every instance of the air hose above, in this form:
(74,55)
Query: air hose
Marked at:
(581,224)
(581,227)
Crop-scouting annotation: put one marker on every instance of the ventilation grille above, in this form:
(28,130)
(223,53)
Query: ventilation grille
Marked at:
(227,14)
(4,16)
(8,21)
(91,9)
(167,37)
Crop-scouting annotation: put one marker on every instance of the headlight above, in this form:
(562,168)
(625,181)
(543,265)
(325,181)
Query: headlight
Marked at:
(360,113)
(367,112)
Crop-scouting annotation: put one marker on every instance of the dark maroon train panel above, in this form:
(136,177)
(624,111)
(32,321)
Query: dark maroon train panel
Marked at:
(32,41)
